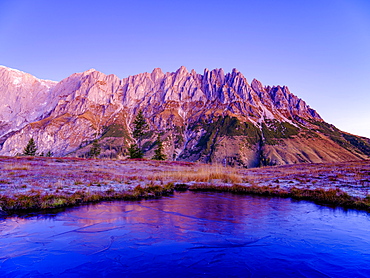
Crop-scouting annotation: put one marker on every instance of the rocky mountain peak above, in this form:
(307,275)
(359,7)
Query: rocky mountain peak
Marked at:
(89,71)
(23,99)
(214,116)
(258,87)
(182,71)
(20,78)
(156,74)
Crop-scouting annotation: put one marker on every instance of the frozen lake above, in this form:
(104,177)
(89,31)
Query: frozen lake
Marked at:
(188,235)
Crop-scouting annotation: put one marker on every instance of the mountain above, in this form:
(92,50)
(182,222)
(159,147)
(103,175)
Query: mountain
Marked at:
(24,99)
(209,117)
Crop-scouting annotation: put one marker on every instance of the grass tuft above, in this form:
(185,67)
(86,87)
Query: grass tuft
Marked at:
(202,174)
(35,200)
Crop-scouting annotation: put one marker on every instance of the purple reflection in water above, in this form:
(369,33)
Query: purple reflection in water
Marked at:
(189,234)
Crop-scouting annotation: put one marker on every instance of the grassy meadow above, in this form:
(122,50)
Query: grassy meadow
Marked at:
(36,183)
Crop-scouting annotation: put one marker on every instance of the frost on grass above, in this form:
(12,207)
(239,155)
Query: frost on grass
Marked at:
(36,182)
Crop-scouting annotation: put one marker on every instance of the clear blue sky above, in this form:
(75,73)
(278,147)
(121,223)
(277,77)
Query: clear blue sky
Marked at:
(320,49)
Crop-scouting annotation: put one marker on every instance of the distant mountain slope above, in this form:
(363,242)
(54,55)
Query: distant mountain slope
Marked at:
(213,117)
(23,99)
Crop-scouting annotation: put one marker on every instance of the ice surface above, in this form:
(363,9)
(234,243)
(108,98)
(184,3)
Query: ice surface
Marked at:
(188,235)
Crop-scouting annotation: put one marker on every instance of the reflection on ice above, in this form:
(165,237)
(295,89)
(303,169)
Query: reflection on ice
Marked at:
(190,234)
(226,243)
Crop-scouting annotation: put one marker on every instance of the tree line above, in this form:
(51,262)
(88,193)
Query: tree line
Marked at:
(135,150)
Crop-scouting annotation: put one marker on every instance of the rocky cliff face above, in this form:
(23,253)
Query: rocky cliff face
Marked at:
(23,99)
(209,117)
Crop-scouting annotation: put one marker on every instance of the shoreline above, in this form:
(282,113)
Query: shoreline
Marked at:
(330,197)
(39,183)
(34,203)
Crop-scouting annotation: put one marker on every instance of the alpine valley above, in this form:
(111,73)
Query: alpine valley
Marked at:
(211,117)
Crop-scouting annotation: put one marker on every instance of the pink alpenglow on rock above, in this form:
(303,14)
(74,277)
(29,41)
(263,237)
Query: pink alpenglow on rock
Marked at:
(209,117)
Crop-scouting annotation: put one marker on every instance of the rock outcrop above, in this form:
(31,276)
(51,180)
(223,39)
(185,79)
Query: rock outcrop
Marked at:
(209,117)
(23,99)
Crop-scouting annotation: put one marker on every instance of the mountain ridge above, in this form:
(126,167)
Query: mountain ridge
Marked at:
(209,117)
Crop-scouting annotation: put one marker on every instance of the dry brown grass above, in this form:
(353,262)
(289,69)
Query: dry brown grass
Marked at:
(206,173)
(15,167)
(108,179)
(37,200)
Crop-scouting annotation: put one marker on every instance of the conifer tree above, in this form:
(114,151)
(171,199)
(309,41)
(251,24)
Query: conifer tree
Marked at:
(135,152)
(140,128)
(95,149)
(159,155)
(31,148)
